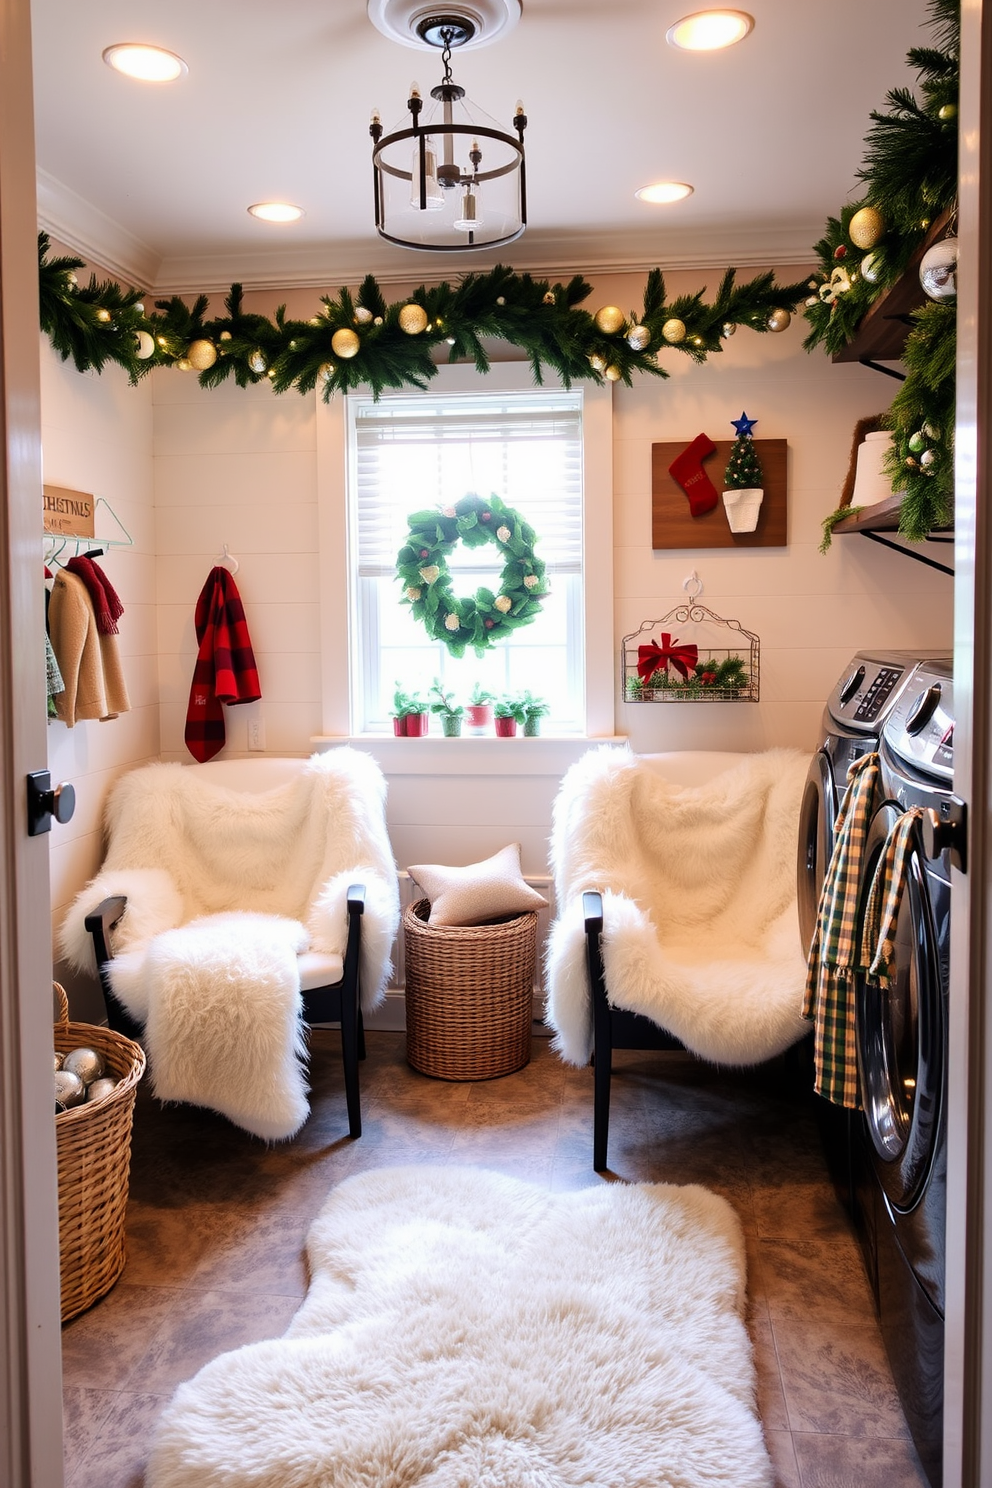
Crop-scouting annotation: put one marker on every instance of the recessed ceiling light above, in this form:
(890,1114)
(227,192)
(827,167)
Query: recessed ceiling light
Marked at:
(664,191)
(708,30)
(150,64)
(276,212)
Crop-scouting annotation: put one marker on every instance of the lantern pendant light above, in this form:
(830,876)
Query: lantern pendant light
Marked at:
(451,179)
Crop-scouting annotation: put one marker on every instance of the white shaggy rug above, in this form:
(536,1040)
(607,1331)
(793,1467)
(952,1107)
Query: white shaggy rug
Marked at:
(467,1330)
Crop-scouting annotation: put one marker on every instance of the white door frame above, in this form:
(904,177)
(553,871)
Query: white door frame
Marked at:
(968,1372)
(30,1343)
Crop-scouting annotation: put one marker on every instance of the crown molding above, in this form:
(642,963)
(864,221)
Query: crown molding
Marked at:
(97,238)
(101,240)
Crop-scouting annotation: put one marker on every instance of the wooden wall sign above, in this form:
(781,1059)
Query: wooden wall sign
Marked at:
(67,513)
(674,526)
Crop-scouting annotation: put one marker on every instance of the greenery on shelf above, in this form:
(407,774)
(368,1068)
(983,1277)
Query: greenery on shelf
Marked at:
(444,702)
(381,345)
(509,705)
(726,678)
(405,703)
(479,696)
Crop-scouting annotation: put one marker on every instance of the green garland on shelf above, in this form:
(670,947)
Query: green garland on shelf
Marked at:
(921,461)
(361,341)
(481,619)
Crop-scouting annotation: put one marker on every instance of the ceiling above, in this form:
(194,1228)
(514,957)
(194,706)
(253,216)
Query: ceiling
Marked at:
(153,182)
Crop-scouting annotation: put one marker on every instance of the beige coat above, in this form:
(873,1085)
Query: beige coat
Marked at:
(90,663)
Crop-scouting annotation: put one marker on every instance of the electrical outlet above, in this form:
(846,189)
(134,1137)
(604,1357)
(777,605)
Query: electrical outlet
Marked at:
(256,731)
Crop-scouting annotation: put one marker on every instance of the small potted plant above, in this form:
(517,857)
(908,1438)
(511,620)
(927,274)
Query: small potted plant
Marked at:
(508,711)
(479,713)
(534,710)
(410,715)
(449,712)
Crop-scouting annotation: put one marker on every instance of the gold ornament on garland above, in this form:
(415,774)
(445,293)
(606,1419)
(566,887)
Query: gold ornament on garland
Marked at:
(597,363)
(610,319)
(345,343)
(201,354)
(673,331)
(413,319)
(224,336)
(548,297)
(613,374)
(866,227)
(103,315)
(257,363)
(184,364)
(779,320)
(326,371)
(639,338)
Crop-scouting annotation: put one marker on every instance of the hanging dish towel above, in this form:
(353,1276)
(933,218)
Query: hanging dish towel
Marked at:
(225,670)
(833,956)
(878,957)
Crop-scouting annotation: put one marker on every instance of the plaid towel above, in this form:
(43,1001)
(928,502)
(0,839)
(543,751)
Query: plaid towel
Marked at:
(106,603)
(225,669)
(833,956)
(878,934)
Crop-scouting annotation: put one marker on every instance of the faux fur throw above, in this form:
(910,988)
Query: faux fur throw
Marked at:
(252,879)
(467,1330)
(701,930)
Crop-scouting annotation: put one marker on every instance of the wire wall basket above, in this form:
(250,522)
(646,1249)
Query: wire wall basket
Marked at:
(691,655)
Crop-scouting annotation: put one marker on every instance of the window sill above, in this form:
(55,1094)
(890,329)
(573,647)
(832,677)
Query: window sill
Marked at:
(470,754)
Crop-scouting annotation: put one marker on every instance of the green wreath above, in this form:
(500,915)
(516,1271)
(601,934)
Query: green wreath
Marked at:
(486,616)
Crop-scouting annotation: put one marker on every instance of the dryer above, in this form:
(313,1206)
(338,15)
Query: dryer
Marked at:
(899,1141)
(867,691)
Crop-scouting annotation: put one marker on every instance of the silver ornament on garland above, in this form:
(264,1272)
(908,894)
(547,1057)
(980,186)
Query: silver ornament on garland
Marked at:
(146,346)
(727,329)
(639,338)
(257,363)
(938,270)
(926,459)
(871,268)
(363,316)
(930,432)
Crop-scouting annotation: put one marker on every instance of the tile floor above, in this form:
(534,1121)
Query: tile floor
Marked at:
(217,1223)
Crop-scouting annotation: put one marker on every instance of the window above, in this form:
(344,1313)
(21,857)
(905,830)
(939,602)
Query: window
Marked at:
(411,451)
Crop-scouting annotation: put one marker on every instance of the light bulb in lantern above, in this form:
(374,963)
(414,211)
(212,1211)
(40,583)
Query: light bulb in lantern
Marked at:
(433,195)
(471,216)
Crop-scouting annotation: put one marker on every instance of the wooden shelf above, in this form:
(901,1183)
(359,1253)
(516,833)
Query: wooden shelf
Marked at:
(881,335)
(882,517)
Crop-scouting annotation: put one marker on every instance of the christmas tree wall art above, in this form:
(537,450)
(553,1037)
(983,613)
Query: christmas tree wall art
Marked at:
(743,482)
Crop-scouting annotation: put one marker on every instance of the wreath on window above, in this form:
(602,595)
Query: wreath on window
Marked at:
(487,616)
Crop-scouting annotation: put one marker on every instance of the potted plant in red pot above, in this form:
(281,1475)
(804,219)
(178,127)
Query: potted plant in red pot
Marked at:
(410,714)
(508,712)
(479,712)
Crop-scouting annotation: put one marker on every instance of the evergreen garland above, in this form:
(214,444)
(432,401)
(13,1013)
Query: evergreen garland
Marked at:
(102,322)
(921,461)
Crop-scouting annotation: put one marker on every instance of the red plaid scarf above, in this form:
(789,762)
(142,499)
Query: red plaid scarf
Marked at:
(225,669)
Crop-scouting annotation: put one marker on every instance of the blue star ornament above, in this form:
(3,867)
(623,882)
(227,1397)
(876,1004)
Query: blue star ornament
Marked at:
(743,425)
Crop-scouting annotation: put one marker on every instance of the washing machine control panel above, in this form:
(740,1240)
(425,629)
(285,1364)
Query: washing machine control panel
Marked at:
(866,690)
(920,728)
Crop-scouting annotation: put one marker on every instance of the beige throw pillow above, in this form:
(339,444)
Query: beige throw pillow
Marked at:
(479,892)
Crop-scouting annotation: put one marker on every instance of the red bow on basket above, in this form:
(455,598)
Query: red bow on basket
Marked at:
(652,658)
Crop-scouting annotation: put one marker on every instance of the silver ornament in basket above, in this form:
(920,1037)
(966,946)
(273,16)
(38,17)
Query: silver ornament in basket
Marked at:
(86,1063)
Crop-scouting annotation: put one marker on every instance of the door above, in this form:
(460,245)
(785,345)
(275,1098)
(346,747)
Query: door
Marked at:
(30,1371)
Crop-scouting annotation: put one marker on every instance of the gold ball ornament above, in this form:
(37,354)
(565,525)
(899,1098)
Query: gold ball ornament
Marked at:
(363,316)
(413,320)
(613,374)
(184,364)
(779,320)
(326,371)
(202,354)
(224,336)
(345,342)
(549,298)
(610,319)
(947,111)
(377,320)
(257,363)
(103,315)
(146,346)
(639,338)
(673,331)
(597,363)
(866,227)
(71,281)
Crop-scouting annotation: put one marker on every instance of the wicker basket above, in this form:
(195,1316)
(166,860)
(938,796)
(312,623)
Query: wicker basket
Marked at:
(469,994)
(94,1153)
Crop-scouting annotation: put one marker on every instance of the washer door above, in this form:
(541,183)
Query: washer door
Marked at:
(901,1035)
(816,841)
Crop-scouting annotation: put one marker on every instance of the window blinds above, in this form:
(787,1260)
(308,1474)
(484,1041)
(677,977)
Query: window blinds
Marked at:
(415,452)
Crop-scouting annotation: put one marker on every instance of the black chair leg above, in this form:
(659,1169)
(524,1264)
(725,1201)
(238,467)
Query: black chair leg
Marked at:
(350,1055)
(602,1071)
(361,1035)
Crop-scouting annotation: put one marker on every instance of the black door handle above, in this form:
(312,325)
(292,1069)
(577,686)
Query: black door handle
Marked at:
(44,802)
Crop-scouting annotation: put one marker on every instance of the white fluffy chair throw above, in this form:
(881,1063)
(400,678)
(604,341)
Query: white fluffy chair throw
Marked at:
(235,868)
(701,930)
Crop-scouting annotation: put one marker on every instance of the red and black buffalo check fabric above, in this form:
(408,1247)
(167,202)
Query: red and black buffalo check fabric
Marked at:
(225,670)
